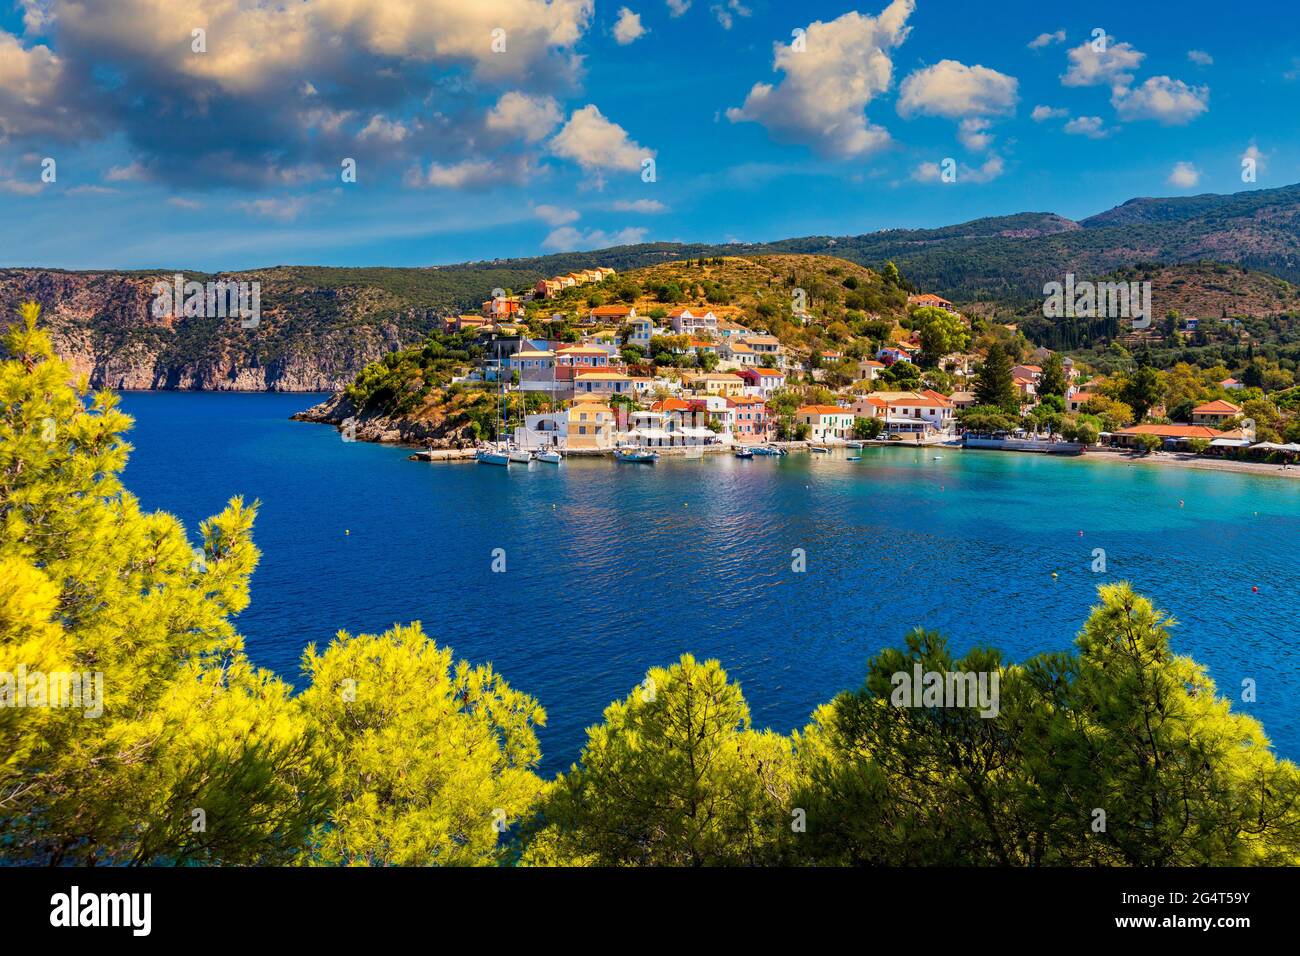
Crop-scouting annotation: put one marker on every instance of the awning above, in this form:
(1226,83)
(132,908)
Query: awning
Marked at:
(654,434)
(1230,443)
(698,432)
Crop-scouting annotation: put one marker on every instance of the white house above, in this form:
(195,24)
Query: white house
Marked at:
(828,423)
(693,321)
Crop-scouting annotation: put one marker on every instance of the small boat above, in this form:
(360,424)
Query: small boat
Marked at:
(491,456)
(854,444)
(819,449)
(853,458)
(743,452)
(520,456)
(766,450)
(550,456)
(639,456)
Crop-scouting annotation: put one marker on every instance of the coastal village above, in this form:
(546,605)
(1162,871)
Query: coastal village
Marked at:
(594,363)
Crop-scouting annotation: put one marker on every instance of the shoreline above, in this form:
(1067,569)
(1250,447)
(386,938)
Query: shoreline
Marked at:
(1158,459)
(1191,462)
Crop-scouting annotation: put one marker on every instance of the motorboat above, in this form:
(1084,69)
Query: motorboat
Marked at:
(639,456)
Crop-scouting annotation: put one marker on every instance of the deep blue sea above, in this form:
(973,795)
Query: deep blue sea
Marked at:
(613,568)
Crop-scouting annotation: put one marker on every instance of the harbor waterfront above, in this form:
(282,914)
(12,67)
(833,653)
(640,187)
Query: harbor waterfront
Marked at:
(611,569)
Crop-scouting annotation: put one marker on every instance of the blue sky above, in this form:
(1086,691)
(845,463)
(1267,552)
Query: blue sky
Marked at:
(229,157)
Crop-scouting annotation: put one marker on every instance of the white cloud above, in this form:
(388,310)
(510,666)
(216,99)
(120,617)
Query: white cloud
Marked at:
(628,28)
(1042,113)
(990,169)
(384,130)
(1046,39)
(1089,126)
(927,173)
(953,90)
(677,7)
(477,173)
(555,215)
(1170,102)
(1200,57)
(29,84)
(726,13)
(1184,176)
(181,202)
(1112,65)
(283,210)
(130,173)
(19,187)
(568,238)
(821,100)
(530,118)
(647,206)
(1253,152)
(595,143)
(973,134)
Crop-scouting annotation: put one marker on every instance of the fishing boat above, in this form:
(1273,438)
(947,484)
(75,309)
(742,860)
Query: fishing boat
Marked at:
(639,456)
(491,455)
(550,456)
(819,449)
(767,450)
(743,452)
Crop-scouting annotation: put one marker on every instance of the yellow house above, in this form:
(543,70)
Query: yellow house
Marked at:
(720,383)
(591,425)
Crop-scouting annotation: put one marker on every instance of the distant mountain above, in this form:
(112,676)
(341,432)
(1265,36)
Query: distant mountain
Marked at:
(322,325)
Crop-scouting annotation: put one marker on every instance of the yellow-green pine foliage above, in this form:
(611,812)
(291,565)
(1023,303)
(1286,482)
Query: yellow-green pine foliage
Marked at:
(1186,781)
(430,761)
(674,776)
(1120,754)
(195,755)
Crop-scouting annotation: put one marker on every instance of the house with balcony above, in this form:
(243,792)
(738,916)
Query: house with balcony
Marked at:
(693,321)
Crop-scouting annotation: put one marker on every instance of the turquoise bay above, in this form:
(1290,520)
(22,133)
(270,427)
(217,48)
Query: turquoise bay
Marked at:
(614,568)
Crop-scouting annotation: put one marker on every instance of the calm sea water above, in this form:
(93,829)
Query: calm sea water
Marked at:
(614,568)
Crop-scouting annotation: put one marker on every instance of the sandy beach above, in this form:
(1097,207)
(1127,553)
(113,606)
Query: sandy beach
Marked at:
(1179,460)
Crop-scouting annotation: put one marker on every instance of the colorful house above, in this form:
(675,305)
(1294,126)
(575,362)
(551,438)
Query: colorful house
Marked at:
(750,419)
(826,422)
(1214,413)
(601,384)
(693,321)
(591,425)
(762,381)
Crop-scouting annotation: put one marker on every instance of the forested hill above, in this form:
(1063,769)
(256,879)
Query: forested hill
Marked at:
(320,326)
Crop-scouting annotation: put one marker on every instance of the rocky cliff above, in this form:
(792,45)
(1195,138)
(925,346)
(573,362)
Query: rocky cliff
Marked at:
(309,337)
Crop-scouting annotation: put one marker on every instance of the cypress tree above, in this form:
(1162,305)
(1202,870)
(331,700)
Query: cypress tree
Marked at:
(994,384)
